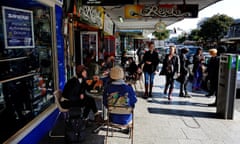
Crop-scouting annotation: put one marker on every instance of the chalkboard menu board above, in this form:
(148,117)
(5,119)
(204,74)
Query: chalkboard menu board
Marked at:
(18,28)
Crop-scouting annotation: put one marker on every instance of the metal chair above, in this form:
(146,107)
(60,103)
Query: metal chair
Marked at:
(120,110)
(58,98)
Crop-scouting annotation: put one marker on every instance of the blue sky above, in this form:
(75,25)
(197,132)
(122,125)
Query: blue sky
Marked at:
(228,7)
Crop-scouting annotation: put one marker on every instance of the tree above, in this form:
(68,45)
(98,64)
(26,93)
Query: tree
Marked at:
(194,35)
(214,28)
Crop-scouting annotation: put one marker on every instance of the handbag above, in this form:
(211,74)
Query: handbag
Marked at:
(162,72)
(176,75)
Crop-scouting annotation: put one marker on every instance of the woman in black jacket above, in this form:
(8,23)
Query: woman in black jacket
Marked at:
(171,67)
(150,61)
(74,92)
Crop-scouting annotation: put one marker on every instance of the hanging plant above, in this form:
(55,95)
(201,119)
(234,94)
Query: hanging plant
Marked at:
(161,35)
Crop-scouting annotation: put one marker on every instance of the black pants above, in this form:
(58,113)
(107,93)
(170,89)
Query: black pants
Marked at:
(169,81)
(213,86)
(183,79)
(88,103)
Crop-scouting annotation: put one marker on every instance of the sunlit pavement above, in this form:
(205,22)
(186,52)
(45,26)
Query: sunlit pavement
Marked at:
(179,121)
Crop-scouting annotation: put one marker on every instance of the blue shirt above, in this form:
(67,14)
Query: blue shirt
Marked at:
(124,95)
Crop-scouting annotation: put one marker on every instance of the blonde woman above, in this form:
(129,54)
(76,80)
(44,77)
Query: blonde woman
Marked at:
(171,67)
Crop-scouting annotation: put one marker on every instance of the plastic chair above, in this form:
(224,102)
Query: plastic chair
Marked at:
(120,110)
(58,98)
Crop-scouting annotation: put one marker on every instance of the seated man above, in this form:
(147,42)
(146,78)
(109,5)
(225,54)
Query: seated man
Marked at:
(74,91)
(118,93)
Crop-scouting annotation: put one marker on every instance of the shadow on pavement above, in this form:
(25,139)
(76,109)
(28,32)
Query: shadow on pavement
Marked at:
(187,113)
(178,102)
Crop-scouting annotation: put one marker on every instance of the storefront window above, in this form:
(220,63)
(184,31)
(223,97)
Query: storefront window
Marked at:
(26,74)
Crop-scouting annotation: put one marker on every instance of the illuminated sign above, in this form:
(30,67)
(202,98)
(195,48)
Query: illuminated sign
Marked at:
(162,11)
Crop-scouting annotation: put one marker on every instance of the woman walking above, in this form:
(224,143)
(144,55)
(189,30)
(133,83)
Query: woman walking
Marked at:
(171,68)
(150,61)
(197,70)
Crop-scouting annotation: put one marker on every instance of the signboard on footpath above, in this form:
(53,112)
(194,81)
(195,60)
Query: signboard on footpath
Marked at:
(18,28)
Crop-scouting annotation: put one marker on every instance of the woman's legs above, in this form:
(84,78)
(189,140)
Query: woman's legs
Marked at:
(151,84)
(90,105)
(166,84)
(147,78)
(171,83)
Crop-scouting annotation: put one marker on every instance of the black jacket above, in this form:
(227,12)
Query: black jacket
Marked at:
(213,68)
(72,91)
(183,64)
(152,57)
(170,66)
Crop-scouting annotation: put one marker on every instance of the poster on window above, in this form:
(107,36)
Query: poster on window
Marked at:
(18,28)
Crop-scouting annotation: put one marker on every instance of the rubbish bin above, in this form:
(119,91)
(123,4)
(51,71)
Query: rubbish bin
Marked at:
(227,85)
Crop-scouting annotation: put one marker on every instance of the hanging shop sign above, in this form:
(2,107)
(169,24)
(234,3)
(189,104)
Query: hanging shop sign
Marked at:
(92,15)
(107,2)
(108,25)
(162,11)
(18,28)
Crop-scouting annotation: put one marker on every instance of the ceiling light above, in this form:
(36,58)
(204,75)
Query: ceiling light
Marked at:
(120,19)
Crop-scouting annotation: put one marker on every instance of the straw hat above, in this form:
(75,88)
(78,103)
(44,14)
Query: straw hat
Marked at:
(212,51)
(116,73)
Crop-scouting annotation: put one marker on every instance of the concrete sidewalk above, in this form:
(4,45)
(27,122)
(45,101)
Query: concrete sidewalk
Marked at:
(180,121)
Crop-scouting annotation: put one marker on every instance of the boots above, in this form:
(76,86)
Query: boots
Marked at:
(187,95)
(181,94)
(150,90)
(170,94)
(146,91)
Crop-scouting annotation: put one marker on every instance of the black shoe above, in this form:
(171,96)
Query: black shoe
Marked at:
(212,105)
(150,95)
(181,95)
(125,131)
(145,96)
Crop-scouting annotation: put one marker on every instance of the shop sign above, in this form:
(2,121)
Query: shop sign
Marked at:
(106,2)
(91,15)
(18,28)
(108,25)
(161,11)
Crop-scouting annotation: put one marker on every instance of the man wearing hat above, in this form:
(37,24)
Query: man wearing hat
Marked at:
(212,70)
(74,92)
(118,93)
(184,73)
